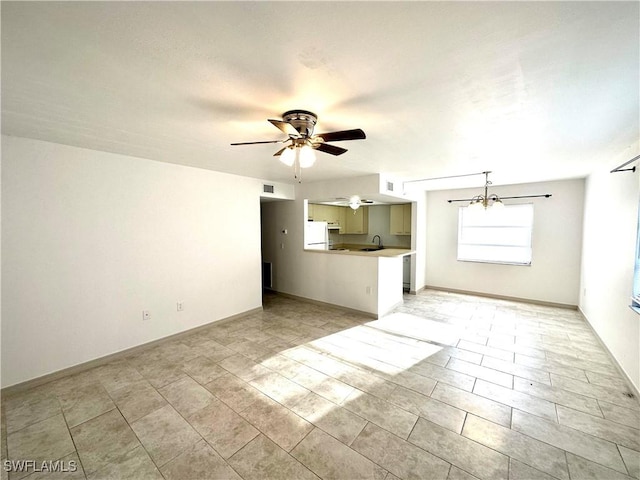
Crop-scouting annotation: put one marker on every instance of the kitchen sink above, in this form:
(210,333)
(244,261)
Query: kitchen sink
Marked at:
(371,249)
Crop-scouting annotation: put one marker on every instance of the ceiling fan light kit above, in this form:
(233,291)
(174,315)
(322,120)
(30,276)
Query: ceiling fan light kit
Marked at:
(299,125)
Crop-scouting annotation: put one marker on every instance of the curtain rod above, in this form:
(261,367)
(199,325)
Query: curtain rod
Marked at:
(546,195)
(620,169)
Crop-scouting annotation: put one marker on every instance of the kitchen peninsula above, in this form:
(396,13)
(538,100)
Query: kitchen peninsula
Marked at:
(368,281)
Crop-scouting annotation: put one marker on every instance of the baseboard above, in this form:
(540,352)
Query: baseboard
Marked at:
(81,367)
(502,297)
(324,304)
(415,292)
(634,389)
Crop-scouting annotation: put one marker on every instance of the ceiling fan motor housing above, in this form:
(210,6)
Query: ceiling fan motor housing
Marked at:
(302,120)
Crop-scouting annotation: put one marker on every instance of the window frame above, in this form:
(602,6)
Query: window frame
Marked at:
(530,228)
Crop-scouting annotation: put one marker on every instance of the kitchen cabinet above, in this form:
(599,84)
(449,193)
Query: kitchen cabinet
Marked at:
(400,221)
(327,213)
(357,221)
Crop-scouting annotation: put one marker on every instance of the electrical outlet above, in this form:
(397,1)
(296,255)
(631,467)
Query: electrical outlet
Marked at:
(368,290)
(180,306)
(146,315)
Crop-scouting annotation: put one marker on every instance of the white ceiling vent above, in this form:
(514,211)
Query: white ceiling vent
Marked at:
(267,188)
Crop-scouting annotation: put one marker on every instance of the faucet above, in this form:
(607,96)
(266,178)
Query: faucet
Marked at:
(379,240)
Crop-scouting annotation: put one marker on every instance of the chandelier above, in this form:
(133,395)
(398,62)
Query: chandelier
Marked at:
(485,201)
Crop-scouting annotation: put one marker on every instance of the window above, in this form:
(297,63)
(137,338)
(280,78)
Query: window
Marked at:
(496,235)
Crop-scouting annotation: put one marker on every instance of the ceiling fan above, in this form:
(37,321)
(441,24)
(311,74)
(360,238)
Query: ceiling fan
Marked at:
(299,125)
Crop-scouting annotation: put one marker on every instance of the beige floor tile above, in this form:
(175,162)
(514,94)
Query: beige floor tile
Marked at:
(521,471)
(161,372)
(225,430)
(478,371)
(103,439)
(552,367)
(381,412)
(137,400)
(517,370)
(528,450)
(399,456)
(165,434)
(556,395)
(485,350)
(618,414)
(333,419)
(480,406)
(324,385)
(236,393)
(600,427)
(607,380)
(203,370)
(135,464)
(48,439)
(261,459)
(631,460)
(583,469)
(187,396)
(337,355)
(445,375)
(243,367)
(84,403)
(607,394)
(329,458)
(278,423)
(279,388)
(434,410)
(116,375)
(574,441)
(415,382)
(466,454)
(515,399)
(457,474)
(29,407)
(199,462)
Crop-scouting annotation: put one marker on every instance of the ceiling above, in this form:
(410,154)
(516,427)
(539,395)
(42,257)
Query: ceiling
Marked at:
(530,90)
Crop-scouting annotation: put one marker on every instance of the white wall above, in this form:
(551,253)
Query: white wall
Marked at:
(554,275)
(90,239)
(610,222)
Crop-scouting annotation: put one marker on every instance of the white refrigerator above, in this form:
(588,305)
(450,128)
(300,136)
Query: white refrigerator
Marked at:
(316,236)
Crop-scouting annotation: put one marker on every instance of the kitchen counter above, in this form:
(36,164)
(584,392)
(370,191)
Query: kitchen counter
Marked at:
(385,252)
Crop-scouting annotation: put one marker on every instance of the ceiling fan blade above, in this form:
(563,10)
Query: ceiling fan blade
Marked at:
(332,149)
(285,127)
(256,143)
(355,134)
(279,152)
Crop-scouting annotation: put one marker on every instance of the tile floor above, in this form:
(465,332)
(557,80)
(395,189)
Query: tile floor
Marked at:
(446,387)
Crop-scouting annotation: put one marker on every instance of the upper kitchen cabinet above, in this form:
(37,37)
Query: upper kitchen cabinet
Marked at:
(357,221)
(400,221)
(326,213)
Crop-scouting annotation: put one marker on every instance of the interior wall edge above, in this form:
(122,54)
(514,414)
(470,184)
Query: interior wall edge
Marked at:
(632,386)
(97,362)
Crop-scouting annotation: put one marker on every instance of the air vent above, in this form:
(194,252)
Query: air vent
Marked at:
(389,187)
(267,188)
